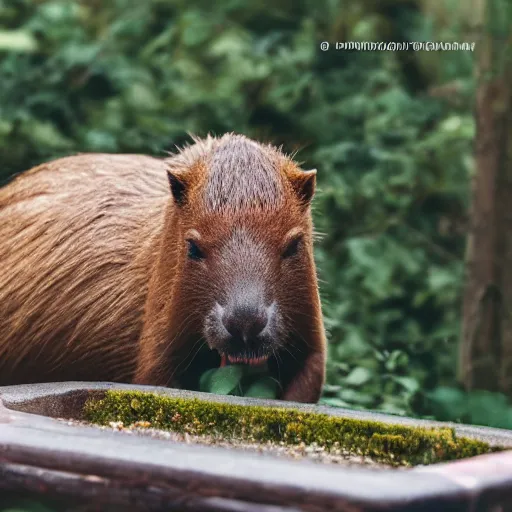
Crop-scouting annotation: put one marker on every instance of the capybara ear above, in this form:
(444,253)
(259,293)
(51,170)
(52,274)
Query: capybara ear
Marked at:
(304,184)
(178,187)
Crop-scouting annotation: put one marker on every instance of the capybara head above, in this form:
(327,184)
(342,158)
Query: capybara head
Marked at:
(244,235)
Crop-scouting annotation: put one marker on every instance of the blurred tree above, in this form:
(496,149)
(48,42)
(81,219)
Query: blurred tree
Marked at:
(486,347)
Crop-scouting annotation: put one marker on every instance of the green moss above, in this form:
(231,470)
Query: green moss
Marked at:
(392,444)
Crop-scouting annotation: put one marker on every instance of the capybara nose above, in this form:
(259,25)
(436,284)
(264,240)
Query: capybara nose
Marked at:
(245,322)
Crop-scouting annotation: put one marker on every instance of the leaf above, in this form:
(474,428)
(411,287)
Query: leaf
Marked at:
(334,402)
(354,397)
(409,383)
(488,409)
(226,379)
(196,28)
(331,388)
(449,404)
(206,379)
(397,360)
(17,41)
(358,377)
(266,387)
(440,278)
(46,134)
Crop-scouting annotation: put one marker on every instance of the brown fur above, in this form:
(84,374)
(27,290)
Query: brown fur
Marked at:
(95,284)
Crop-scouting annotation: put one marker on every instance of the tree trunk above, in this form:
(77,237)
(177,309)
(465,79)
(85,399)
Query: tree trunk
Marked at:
(486,345)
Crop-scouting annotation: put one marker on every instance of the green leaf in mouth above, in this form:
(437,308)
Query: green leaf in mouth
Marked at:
(223,381)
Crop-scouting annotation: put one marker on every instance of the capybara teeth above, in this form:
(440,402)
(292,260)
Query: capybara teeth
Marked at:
(252,361)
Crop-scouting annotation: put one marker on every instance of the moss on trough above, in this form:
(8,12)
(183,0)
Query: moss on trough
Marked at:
(392,444)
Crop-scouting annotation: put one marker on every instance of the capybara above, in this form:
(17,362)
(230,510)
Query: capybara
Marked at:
(128,268)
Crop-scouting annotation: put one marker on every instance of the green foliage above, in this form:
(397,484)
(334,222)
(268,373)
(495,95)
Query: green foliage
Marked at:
(394,444)
(26,506)
(394,161)
(239,380)
(476,407)
(9,503)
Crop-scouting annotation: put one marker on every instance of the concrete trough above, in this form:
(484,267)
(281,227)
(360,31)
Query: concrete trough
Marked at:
(44,457)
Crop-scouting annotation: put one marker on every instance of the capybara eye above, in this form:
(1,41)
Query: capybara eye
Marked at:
(194,252)
(292,248)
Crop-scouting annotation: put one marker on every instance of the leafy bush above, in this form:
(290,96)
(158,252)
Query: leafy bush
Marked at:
(393,160)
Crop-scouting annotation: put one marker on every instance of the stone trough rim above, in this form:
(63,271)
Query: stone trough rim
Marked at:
(13,396)
(26,438)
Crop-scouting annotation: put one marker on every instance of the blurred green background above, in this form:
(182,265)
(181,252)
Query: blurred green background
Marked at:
(390,133)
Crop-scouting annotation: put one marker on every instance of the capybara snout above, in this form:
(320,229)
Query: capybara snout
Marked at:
(245,329)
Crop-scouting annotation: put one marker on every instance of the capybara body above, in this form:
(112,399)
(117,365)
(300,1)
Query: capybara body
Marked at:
(127,268)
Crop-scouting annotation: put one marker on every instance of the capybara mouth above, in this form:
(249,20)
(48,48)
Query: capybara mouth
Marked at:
(249,359)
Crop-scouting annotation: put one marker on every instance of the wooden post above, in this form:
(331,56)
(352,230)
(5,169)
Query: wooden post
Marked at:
(486,345)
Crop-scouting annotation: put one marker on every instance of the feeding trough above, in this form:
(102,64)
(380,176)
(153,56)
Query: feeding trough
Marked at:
(133,447)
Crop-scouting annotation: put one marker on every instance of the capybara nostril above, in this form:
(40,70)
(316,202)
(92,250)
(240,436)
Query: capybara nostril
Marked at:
(245,322)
